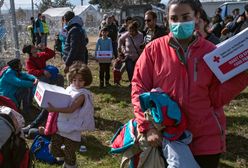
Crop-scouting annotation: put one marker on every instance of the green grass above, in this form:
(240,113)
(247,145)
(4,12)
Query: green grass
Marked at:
(237,133)
(113,108)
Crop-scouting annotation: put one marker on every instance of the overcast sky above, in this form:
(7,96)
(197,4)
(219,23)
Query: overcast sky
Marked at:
(27,3)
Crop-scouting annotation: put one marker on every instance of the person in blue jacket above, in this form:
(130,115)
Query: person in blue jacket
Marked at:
(17,84)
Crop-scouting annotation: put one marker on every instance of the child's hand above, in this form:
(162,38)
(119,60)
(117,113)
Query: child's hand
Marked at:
(36,81)
(41,130)
(41,46)
(47,74)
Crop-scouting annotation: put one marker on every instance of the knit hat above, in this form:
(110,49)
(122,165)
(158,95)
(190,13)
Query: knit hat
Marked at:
(68,16)
(27,48)
(14,63)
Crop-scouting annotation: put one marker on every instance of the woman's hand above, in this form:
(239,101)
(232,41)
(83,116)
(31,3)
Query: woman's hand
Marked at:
(41,130)
(154,137)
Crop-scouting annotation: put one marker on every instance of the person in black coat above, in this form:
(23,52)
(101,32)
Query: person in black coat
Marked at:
(75,44)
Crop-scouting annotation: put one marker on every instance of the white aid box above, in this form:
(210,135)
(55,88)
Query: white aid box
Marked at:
(230,57)
(55,95)
(104,56)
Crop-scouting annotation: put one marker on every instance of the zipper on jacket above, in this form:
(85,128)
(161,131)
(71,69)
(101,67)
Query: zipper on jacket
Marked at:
(195,69)
(220,127)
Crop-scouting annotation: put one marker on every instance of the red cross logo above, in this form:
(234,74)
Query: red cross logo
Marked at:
(216,59)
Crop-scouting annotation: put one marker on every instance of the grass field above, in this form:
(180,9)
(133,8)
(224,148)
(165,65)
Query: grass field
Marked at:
(113,108)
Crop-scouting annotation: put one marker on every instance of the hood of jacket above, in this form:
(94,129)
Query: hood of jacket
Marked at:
(75,20)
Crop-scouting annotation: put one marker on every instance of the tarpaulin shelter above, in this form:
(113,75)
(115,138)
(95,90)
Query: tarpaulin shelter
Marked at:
(90,15)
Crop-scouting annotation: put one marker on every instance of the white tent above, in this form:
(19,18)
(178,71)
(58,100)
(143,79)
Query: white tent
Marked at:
(56,12)
(89,14)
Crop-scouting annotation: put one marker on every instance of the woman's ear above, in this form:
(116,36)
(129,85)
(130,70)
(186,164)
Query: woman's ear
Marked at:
(197,17)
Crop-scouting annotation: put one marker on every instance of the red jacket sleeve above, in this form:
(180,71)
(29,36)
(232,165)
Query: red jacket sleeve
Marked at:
(47,54)
(36,67)
(222,94)
(142,82)
(32,68)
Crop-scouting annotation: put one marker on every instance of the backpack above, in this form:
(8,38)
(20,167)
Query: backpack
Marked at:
(124,138)
(15,152)
(40,149)
(125,142)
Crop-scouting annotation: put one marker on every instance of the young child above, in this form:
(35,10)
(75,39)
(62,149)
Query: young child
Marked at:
(118,63)
(104,43)
(36,64)
(77,117)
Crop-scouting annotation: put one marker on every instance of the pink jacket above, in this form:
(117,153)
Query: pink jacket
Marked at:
(51,123)
(192,85)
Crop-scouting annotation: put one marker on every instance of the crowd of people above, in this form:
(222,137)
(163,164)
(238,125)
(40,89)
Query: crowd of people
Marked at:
(159,57)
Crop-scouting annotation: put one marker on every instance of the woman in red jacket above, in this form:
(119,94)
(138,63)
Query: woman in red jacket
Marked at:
(175,64)
(36,64)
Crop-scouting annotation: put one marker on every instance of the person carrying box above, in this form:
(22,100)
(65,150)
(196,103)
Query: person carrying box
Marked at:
(104,43)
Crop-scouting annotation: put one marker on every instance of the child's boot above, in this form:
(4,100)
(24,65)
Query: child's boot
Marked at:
(107,84)
(101,84)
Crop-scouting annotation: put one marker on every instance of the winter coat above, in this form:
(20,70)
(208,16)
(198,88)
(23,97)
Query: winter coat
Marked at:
(75,44)
(186,78)
(36,65)
(10,83)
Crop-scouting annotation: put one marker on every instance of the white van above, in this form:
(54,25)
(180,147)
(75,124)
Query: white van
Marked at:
(228,7)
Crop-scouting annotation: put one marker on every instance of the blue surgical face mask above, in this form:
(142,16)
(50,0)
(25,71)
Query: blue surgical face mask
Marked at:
(182,30)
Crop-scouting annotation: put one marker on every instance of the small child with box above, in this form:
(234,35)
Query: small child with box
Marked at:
(104,54)
(72,118)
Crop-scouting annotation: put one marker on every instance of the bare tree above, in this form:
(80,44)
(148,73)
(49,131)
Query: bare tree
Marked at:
(20,14)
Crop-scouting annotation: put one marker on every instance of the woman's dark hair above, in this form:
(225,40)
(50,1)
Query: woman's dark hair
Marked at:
(228,18)
(218,10)
(216,19)
(128,19)
(133,26)
(27,49)
(68,16)
(39,15)
(153,14)
(204,17)
(14,64)
(194,4)
(79,68)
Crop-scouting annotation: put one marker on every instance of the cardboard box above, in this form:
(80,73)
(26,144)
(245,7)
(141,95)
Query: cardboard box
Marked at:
(55,95)
(104,56)
(230,57)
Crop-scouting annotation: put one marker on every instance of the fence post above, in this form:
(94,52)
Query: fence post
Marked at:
(15,33)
